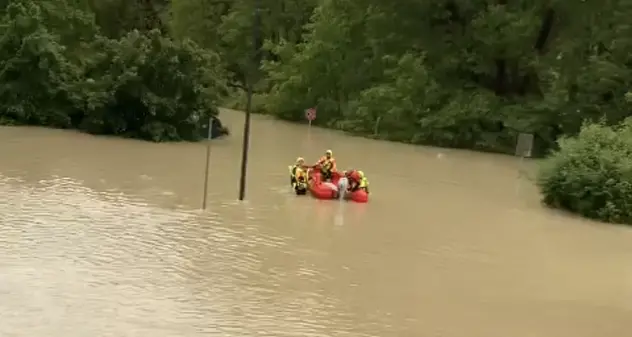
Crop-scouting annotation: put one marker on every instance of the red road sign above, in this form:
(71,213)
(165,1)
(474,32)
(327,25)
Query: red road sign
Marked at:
(310,114)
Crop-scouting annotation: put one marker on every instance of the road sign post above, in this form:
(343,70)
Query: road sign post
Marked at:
(310,115)
(252,74)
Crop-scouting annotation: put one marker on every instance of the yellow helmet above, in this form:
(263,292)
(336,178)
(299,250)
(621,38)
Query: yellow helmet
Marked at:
(300,160)
(328,152)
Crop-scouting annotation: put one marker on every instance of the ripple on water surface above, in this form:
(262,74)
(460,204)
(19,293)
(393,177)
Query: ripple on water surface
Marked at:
(74,262)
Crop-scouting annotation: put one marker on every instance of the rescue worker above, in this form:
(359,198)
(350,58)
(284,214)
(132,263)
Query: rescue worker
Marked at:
(327,165)
(298,175)
(357,180)
(354,179)
(364,182)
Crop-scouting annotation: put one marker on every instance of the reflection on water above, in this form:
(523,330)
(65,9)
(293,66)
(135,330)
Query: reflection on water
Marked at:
(103,237)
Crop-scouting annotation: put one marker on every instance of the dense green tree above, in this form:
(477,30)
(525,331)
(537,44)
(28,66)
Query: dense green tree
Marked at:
(149,87)
(457,73)
(118,17)
(228,27)
(35,72)
(58,70)
(454,73)
(592,173)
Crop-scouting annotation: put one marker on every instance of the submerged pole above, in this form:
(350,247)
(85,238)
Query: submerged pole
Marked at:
(245,147)
(250,81)
(208,161)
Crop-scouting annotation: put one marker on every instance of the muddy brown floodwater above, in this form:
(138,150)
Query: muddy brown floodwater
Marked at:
(102,237)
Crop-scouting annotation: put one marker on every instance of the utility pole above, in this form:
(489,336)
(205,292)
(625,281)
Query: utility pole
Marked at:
(208,161)
(250,80)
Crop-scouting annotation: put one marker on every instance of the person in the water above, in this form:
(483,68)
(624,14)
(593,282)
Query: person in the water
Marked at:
(298,176)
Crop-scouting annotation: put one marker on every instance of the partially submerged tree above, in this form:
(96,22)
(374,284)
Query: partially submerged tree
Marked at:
(58,70)
(591,174)
(458,73)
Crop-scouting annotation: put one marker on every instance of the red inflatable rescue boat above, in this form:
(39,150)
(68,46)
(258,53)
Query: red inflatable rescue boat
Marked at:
(329,190)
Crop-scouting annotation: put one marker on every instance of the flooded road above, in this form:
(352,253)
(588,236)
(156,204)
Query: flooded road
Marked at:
(103,237)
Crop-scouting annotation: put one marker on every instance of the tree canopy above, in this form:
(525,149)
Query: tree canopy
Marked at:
(455,73)
(592,174)
(59,69)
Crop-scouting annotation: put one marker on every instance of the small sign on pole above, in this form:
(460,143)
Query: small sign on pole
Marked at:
(310,115)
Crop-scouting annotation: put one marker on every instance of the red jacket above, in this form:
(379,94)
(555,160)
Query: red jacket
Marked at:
(354,176)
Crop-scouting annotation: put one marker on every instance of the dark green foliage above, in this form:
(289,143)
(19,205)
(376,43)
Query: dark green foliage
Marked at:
(226,26)
(469,74)
(455,73)
(57,70)
(591,174)
(147,86)
(35,73)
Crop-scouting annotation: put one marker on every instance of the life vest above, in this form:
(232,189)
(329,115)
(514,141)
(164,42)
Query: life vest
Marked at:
(327,164)
(299,174)
(364,182)
(297,170)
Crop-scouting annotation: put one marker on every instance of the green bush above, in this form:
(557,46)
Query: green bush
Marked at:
(35,70)
(150,87)
(58,71)
(591,174)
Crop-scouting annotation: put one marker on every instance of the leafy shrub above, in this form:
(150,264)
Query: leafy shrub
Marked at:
(56,70)
(150,87)
(591,174)
(35,71)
